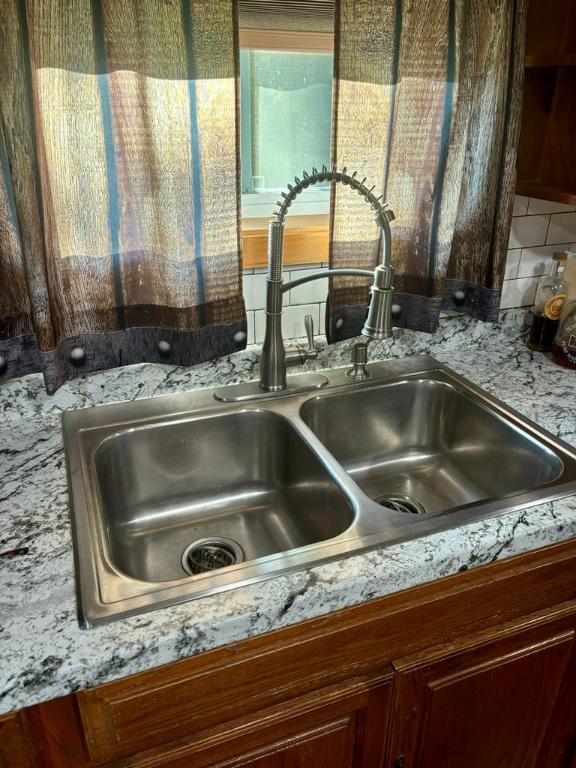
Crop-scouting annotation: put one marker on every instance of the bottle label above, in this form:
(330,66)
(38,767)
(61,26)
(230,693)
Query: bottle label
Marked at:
(568,342)
(553,307)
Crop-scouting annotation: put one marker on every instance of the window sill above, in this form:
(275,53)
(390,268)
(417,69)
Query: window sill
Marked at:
(306,240)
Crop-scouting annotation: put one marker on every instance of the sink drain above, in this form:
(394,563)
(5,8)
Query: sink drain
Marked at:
(401,504)
(209,554)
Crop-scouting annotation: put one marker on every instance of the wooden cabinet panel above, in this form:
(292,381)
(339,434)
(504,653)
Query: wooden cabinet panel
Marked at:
(546,152)
(335,728)
(332,746)
(180,700)
(504,703)
(328,747)
(17,748)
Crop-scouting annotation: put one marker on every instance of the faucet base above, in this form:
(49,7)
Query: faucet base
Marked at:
(251,390)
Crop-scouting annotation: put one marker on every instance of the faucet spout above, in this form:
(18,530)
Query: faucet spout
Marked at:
(378,325)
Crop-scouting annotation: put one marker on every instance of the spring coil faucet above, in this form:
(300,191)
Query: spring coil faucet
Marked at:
(378,323)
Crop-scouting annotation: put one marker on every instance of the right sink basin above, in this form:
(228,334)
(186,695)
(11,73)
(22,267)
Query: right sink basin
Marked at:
(423,445)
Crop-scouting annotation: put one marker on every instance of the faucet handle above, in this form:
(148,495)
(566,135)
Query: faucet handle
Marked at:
(298,355)
(309,326)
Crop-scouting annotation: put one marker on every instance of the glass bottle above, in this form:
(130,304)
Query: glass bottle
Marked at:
(548,304)
(564,348)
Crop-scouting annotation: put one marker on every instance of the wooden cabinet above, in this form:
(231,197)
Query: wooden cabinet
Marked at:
(475,670)
(547,150)
(509,703)
(17,748)
(341,728)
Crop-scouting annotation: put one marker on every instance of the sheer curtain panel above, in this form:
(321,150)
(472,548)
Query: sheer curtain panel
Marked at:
(119,195)
(427,106)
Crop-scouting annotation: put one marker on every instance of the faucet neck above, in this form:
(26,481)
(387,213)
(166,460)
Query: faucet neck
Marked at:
(382,214)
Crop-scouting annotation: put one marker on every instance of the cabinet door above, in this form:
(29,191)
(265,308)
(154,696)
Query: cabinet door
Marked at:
(17,749)
(508,703)
(331,745)
(335,728)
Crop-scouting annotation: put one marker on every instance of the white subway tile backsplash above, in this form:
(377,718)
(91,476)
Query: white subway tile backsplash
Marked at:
(259,326)
(250,323)
(527,231)
(547,206)
(519,292)
(537,261)
(520,205)
(254,287)
(512,263)
(308,293)
(322,326)
(539,228)
(292,321)
(562,228)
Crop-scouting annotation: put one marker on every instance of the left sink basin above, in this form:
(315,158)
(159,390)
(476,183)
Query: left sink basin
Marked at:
(218,491)
(174,498)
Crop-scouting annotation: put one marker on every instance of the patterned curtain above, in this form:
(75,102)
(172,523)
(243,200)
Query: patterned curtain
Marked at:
(119,198)
(427,106)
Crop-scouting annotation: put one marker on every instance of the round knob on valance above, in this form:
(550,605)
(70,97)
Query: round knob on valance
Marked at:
(164,348)
(3,365)
(396,310)
(459,297)
(339,323)
(77,357)
(239,338)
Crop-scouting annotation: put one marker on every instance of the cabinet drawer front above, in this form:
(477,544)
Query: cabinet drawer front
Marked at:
(325,738)
(125,719)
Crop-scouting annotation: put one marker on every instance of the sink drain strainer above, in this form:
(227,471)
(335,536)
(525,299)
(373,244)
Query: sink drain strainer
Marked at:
(402,504)
(209,554)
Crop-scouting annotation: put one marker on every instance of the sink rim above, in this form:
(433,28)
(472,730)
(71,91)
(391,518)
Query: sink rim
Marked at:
(104,595)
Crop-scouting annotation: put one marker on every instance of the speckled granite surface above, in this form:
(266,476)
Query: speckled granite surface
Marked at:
(43,652)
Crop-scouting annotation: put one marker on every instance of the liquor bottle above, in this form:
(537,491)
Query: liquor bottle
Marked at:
(564,349)
(548,304)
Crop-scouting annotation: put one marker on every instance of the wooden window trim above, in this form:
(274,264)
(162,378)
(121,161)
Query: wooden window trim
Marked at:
(306,240)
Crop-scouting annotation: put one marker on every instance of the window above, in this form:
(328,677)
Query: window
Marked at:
(286,114)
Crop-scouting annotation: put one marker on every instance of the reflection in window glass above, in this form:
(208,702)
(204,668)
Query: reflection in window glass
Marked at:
(286,102)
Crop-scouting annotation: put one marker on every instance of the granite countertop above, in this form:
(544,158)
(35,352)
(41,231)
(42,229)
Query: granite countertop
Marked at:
(45,654)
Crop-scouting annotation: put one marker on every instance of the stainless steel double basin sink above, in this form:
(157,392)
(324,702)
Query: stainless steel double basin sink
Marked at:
(180,496)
